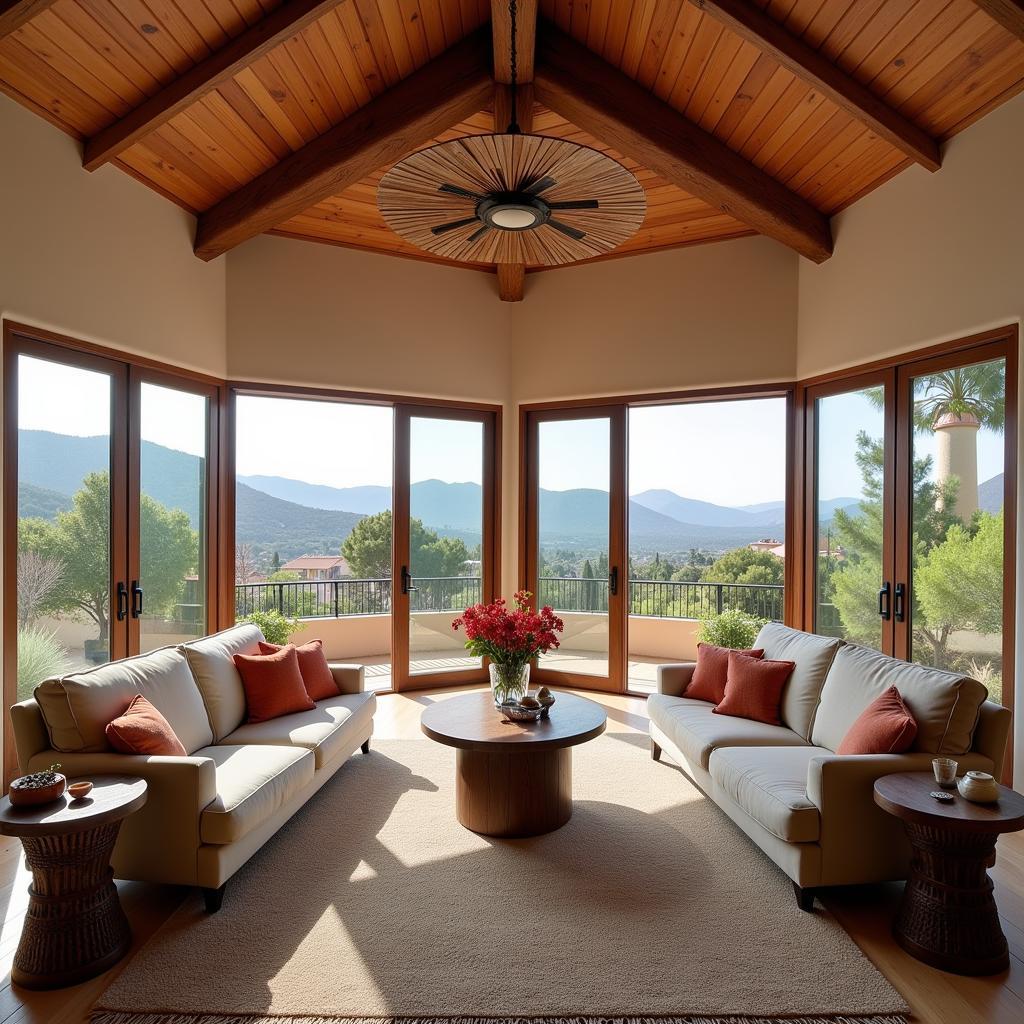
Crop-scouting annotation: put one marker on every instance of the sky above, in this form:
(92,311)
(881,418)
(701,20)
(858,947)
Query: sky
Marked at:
(729,452)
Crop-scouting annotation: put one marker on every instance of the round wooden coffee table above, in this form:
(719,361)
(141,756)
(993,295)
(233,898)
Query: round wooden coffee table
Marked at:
(512,778)
(74,926)
(948,917)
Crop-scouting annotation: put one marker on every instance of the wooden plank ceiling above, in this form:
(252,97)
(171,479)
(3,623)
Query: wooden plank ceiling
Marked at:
(824,98)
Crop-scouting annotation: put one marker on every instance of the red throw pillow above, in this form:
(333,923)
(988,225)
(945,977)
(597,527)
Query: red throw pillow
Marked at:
(313,667)
(141,729)
(885,726)
(273,684)
(708,679)
(753,688)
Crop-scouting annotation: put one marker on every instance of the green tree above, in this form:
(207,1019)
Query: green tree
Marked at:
(367,549)
(743,565)
(275,562)
(170,552)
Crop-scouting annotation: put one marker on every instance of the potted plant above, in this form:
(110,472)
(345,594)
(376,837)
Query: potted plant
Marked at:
(732,628)
(511,639)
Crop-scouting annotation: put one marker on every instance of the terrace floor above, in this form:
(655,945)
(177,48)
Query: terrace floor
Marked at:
(642,671)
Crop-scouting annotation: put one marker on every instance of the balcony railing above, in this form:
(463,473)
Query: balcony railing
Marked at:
(348,597)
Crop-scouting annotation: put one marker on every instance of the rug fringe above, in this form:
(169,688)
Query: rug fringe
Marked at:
(110,1017)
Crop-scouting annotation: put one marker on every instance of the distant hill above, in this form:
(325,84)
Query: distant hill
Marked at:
(990,494)
(367,500)
(699,513)
(40,502)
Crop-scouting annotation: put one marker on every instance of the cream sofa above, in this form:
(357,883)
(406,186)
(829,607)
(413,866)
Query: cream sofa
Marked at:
(210,811)
(811,810)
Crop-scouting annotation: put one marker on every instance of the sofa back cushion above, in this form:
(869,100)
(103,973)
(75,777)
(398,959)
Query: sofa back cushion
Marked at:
(945,705)
(812,656)
(78,707)
(212,662)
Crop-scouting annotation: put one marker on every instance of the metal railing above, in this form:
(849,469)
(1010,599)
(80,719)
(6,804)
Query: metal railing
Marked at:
(350,597)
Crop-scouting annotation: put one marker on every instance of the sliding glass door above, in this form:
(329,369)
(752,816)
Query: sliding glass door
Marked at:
(110,494)
(444,539)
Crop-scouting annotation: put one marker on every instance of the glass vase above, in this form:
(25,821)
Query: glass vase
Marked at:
(509,682)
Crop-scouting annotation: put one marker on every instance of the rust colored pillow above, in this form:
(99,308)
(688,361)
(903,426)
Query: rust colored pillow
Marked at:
(708,680)
(141,729)
(885,726)
(273,684)
(313,667)
(753,688)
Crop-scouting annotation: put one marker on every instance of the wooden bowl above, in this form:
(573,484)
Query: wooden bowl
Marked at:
(79,790)
(22,797)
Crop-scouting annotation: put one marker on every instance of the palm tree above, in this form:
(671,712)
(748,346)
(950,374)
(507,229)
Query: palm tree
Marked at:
(955,404)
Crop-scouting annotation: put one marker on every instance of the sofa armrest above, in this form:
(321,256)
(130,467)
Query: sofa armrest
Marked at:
(30,735)
(350,678)
(673,679)
(859,841)
(159,842)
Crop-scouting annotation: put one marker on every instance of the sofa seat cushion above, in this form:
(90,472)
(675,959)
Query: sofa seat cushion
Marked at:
(78,707)
(333,726)
(945,705)
(696,730)
(770,784)
(253,782)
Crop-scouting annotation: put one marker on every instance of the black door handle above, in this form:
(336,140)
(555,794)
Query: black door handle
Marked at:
(122,601)
(883,601)
(613,580)
(136,599)
(407,587)
(899,601)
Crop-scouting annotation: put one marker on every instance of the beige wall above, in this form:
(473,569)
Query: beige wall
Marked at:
(695,317)
(100,256)
(927,258)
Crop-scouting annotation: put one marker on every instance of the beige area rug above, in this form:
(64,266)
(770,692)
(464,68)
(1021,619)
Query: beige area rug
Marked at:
(374,904)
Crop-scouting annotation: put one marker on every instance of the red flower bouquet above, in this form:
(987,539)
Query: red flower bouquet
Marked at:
(511,639)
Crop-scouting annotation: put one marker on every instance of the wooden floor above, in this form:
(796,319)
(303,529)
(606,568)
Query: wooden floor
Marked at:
(936,998)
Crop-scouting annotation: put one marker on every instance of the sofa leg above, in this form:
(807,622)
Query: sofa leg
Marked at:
(214,898)
(804,897)
(365,748)
(655,751)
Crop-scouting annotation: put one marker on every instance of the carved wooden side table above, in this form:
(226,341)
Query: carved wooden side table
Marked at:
(74,926)
(948,917)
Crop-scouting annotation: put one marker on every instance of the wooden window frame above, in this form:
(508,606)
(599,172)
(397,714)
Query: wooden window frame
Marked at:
(126,372)
(489,414)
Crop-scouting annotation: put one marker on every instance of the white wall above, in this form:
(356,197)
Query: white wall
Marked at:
(928,258)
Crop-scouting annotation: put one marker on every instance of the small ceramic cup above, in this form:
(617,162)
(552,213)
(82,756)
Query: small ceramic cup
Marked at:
(945,771)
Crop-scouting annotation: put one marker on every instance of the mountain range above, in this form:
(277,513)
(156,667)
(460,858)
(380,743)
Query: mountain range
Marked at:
(293,517)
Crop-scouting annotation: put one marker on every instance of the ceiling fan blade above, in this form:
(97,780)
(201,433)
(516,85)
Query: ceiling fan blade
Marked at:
(575,204)
(455,190)
(452,225)
(479,233)
(540,186)
(566,230)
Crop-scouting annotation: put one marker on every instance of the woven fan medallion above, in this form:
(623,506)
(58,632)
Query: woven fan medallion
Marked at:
(512,198)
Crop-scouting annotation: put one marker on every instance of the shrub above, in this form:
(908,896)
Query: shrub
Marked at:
(732,628)
(275,626)
(39,657)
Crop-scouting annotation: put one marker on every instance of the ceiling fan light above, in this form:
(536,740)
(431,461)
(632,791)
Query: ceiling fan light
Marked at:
(514,218)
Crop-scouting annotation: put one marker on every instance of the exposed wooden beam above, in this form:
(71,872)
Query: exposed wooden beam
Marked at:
(281,24)
(1008,13)
(14,13)
(749,22)
(608,104)
(512,276)
(511,280)
(526,34)
(439,95)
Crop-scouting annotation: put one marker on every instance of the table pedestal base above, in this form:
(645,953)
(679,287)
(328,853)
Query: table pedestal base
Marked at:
(74,926)
(525,793)
(948,917)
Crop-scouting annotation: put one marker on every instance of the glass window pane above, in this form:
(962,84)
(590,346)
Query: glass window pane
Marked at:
(707,523)
(445,558)
(63,570)
(313,523)
(173,534)
(573,533)
(957,556)
(849,515)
